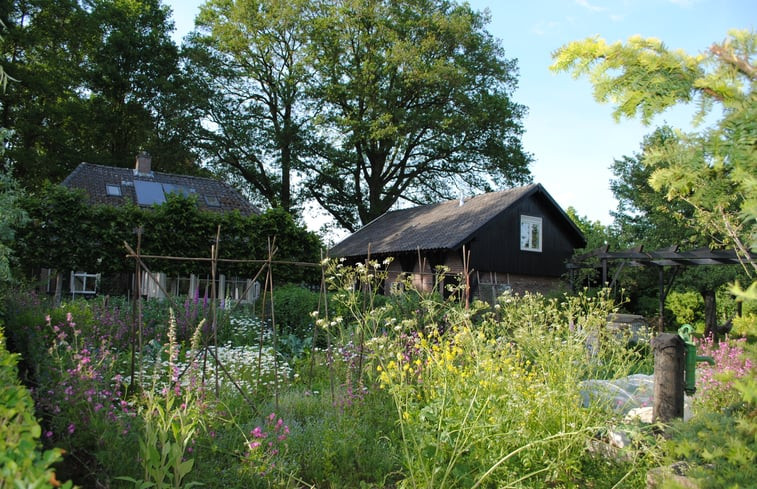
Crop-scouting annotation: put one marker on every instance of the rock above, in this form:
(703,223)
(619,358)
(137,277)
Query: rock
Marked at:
(643,414)
(658,476)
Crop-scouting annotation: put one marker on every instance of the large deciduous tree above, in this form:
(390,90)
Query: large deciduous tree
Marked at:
(414,97)
(364,102)
(712,170)
(249,57)
(96,81)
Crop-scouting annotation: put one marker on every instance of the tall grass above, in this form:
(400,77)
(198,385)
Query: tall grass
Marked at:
(411,391)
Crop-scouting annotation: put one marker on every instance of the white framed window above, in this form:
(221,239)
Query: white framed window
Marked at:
(114,190)
(530,233)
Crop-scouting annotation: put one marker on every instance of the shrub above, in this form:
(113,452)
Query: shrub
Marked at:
(686,308)
(715,390)
(720,447)
(22,461)
(293,305)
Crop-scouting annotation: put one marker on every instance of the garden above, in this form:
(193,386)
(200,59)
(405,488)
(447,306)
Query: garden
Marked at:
(348,388)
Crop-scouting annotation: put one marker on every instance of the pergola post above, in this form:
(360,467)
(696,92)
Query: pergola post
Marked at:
(668,377)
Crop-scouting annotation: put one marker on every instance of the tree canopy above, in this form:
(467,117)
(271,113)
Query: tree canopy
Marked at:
(249,59)
(713,170)
(363,103)
(95,81)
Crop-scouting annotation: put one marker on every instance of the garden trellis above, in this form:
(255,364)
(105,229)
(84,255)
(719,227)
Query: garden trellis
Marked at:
(601,259)
(209,346)
(213,260)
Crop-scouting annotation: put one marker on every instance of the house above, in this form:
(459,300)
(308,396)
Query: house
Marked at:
(116,186)
(517,239)
(141,185)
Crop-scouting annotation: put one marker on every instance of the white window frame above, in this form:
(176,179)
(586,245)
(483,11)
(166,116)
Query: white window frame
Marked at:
(529,224)
(83,283)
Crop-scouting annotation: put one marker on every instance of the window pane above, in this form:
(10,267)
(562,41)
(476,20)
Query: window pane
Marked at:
(535,237)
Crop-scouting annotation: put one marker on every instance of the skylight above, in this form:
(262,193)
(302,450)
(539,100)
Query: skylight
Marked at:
(113,190)
(149,193)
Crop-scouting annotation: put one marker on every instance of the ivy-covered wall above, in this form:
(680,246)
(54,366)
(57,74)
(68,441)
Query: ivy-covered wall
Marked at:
(65,233)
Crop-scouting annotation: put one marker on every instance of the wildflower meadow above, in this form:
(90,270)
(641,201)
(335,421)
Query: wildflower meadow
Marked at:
(365,391)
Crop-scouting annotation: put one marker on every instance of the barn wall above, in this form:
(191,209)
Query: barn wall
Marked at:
(496,247)
(488,286)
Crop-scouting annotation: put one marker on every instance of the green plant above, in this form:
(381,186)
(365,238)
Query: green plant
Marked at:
(686,308)
(22,462)
(343,444)
(720,447)
(293,305)
(715,384)
(11,213)
(170,419)
(495,404)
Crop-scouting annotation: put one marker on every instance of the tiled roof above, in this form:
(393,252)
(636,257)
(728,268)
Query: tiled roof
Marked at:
(212,195)
(443,226)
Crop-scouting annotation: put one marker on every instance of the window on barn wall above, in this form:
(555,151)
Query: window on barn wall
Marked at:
(530,233)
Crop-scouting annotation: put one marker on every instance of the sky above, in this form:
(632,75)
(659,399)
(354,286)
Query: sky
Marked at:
(572,138)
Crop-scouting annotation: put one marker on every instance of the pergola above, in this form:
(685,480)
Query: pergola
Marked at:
(670,257)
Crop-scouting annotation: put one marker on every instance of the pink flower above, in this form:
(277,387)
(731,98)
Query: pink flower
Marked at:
(71,429)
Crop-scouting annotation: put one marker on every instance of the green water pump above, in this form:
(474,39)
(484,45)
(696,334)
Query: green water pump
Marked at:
(690,360)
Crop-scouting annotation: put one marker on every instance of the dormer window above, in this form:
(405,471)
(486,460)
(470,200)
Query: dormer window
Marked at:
(212,201)
(113,190)
(530,233)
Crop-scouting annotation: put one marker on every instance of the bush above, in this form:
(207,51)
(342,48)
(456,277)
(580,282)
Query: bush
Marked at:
(22,461)
(293,307)
(686,308)
(720,447)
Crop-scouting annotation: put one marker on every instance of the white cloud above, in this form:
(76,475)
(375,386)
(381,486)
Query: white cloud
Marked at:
(543,28)
(594,8)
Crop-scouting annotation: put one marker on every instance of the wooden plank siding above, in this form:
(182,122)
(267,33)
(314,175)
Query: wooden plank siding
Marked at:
(496,246)
(487,226)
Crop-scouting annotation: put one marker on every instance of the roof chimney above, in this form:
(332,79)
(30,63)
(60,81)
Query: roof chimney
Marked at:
(144,163)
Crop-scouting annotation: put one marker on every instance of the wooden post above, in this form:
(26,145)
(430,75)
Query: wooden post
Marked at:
(668,377)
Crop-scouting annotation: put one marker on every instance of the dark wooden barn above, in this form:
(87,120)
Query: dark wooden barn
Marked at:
(517,239)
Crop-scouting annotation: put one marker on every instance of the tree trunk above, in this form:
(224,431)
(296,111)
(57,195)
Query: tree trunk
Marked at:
(710,313)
